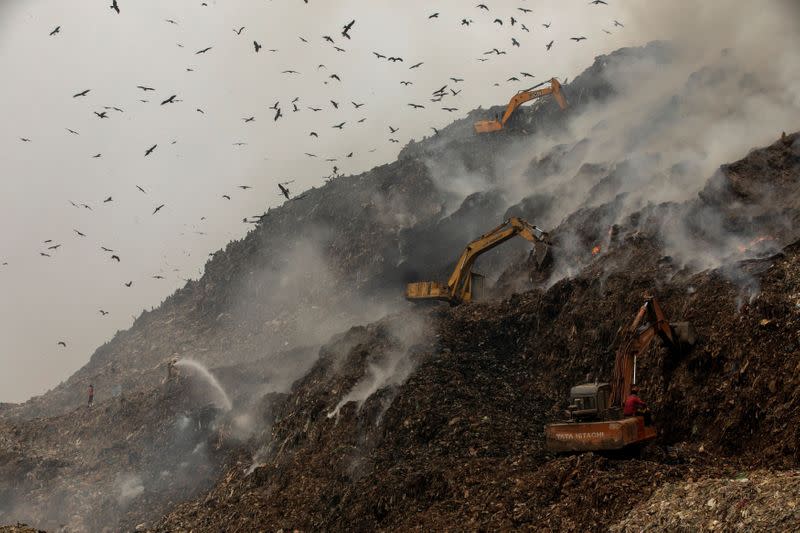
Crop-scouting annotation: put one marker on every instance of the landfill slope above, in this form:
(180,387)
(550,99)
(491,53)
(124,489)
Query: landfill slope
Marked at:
(354,410)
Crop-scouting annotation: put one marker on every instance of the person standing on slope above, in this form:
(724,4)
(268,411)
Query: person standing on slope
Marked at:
(91,394)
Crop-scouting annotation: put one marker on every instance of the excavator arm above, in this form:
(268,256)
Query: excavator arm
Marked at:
(486,126)
(459,287)
(650,322)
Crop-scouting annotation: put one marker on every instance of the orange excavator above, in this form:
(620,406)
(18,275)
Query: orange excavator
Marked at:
(595,420)
(465,285)
(487,126)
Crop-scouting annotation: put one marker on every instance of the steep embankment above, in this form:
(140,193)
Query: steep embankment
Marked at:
(461,441)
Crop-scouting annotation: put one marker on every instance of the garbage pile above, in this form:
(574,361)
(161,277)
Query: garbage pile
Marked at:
(758,501)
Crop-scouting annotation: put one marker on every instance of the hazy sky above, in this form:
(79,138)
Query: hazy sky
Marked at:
(49,299)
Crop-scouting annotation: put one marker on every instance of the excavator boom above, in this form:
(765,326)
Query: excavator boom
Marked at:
(486,126)
(461,285)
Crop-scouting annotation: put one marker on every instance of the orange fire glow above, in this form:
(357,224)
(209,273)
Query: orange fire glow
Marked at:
(596,250)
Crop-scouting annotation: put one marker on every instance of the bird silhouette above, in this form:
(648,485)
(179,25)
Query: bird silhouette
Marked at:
(144,88)
(346,29)
(406,83)
(244,187)
(129,284)
(239,31)
(392,130)
(284,190)
(102,312)
(83,93)
(379,56)
(24,139)
(618,23)
(79,233)
(62,343)
(328,38)
(115,258)
(226,196)
(203,51)
(417,106)
(339,126)
(170,100)
(106,249)
(335,104)
(150,150)
(109,199)
(356,105)
(415,66)
(498,21)
(171,21)
(158,277)
(578,39)
(157,209)
(549,45)
(114,6)
(483,6)
(250,119)
(455,93)
(527,75)
(290,72)
(456,80)
(56,30)
(514,42)
(598,2)
(525,10)
(450,108)
(141,189)
(547,25)
(44,254)
(335,77)
(256,46)
(278,115)
(434,16)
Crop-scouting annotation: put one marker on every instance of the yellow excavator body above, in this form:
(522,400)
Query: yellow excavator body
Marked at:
(465,285)
(488,126)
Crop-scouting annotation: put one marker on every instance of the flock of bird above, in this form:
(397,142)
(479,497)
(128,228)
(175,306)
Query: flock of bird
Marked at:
(449,90)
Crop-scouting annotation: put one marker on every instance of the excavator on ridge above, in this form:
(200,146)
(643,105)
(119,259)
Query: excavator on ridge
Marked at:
(595,418)
(487,126)
(465,285)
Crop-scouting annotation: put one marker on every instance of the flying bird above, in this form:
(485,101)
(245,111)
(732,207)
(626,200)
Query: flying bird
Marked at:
(102,312)
(598,2)
(239,31)
(171,21)
(525,10)
(101,115)
(406,83)
(335,77)
(434,16)
(578,39)
(24,139)
(514,42)
(157,209)
(79,233)
(115,258)
(450,108)
(618,23)
(170,100)
(498,21)
(58,29)
(256,46)
(109,199)
(290,72)
(417,106)
(335,104)
(284,190)
(483,6)
(226,196)
(203,51)
(141,189)
(392,130)
(114,6)
(547,25)
(158,277)
(549,45)
(44,254)
(339,126)
(150,150)
(356,105)
(251,119)
(346,29)
(527,75)
(415,66)
(379,56)
(84,93)
(62,343)
(129,284)
(278,115)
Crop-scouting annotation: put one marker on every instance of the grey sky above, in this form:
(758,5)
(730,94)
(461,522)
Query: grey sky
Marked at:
(58,298)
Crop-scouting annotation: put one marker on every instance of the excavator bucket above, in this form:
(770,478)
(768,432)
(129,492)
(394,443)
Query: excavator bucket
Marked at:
(488,126)
(685,333)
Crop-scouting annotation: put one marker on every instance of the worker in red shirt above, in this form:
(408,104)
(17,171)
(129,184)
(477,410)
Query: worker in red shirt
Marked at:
(634,405)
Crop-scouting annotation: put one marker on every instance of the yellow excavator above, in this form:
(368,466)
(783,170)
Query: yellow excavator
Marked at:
(596,421)
(487,126)
(465,285)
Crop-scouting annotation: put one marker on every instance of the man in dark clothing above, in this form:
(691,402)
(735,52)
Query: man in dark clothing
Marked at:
(91,394)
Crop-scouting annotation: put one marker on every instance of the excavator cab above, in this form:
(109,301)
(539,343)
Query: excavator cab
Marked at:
(589,401)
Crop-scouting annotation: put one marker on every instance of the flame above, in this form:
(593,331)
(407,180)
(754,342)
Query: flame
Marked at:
(596,250)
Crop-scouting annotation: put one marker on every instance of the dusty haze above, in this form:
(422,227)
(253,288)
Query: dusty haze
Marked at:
(58,298)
